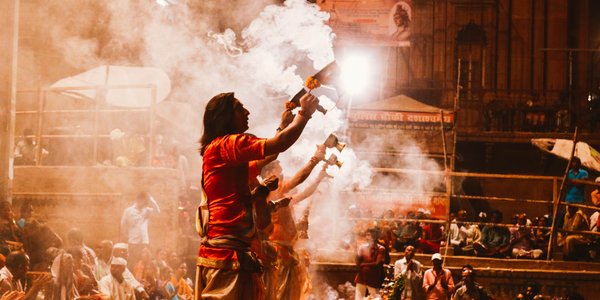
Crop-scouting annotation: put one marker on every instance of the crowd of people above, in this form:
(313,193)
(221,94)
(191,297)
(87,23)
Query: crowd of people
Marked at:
(486,235)
(248,234)
(36,262)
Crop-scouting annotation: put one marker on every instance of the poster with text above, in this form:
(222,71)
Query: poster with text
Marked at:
(373,22)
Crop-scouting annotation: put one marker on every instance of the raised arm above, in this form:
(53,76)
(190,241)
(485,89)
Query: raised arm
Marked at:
(311,188)
(153,204)
(288,136)
(305,171)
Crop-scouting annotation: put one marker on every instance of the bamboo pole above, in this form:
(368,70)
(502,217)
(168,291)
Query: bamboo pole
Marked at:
(557,199)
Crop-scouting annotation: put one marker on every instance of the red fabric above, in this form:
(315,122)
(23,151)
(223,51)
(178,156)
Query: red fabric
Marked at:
(226,172)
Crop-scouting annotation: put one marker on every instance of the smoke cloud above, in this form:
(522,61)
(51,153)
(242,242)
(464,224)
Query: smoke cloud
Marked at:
(260,50)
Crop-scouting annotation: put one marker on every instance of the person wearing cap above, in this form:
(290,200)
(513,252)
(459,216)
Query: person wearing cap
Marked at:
(412,269)
(114,285)
(121,250)
(437,281)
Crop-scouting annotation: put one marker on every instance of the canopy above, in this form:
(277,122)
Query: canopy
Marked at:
(590,158)
(119,85)
(400,112)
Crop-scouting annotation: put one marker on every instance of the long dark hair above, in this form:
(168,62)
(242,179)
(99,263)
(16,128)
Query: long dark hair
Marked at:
(218,119)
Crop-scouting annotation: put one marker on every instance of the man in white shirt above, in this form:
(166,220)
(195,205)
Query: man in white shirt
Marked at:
(413,272)
(463,236)
(134,225)
(103,257)
(113,285)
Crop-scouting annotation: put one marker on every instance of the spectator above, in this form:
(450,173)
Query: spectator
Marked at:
(432,239)
(121,250)
(134,225)
(26,149)
(37,238)
(532,292)
(388,225)
(369,259)
(521,240)
(572,243)
(467,288)
(143,265)
(463,236)
(114,285)
(494,239)
(181,283)
(75,239)
(575,191)
(437,281)
(595,195)
(63,285)
(102,262)
(10,233)
(13,276)
(412,270)
(82,272)
(409,232)
(168,289)
(541,236)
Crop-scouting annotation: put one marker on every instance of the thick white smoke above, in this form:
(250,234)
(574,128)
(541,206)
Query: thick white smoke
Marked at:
(261,52)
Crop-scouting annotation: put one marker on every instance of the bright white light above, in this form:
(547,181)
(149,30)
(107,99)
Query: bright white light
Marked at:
(356,73)
(164,3)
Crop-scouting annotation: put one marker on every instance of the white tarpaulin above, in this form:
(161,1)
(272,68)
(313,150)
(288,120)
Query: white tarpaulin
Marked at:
(590,158)
(119,85)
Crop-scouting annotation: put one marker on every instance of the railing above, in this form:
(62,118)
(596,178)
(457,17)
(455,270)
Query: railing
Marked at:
(39,109)
(521,203)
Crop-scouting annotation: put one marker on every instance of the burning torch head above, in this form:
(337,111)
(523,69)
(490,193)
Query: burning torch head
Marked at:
(328,76)
(332,141)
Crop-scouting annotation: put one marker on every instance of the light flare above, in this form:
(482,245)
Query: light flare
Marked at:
(356,73)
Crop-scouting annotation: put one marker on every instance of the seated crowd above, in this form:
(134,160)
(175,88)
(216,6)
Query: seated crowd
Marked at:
(35,261)
(486,236)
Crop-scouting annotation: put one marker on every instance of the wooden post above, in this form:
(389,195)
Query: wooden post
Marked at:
(152,129)
(40,120)
(9,43)
(557,199)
